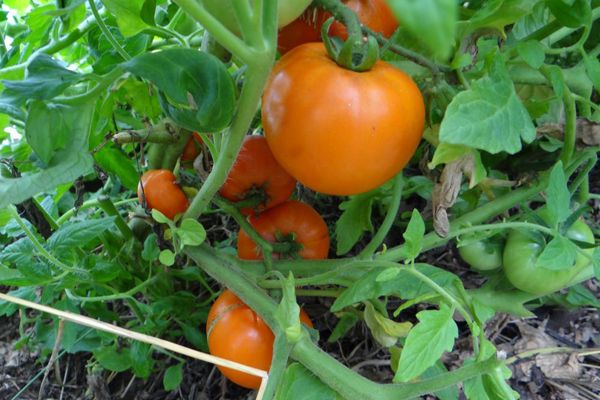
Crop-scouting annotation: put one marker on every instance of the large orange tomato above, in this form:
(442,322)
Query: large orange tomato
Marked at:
(373,13)
(162,192)
(257,173)
(237,333)
(192,148)
(338,131)
(292,221)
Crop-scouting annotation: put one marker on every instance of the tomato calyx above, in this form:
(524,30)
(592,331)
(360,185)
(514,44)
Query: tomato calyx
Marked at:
(253,199)
(358,53)
(286,246)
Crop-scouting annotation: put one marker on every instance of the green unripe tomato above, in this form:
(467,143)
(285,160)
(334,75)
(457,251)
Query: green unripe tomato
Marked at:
(483,255)
(522,251)
(288,10)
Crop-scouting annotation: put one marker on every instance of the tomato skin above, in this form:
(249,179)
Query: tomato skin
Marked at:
(290,217)
(287,11)
(520,255)
(256,168)
(373,13)
(162,193)
(337,131)
(304,29)
(482,255)
(235,332)
(192,148)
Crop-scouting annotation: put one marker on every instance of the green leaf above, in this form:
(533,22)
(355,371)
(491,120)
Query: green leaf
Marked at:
(78,234)
(105,270)
(191,232)
(346,322)
(579,296)
(112,359)
(497,14)
(489,116)
(18,5)
(354,221)
(385,331)
(596,258)
(200,91)
(404,285)
(159,217)
(426,342)
(129,15)
(451,392)
(558,197)
(151,250)
(173,377)
(141,359)
(571,13)
(300,384)
(45,79)
(532,52)
(413,235)
(558,255)
(67,162)
(113,160)
(25,293)
(387,274)
(166,257)
(12,277)
(445,153)
(433,22)
(592,67)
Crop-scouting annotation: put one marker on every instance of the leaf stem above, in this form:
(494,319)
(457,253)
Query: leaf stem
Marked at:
(109,208)
(109,36)
(388,221)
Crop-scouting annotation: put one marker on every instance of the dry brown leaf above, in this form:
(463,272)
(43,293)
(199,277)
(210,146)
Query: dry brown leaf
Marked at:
(558,365)
(447,189)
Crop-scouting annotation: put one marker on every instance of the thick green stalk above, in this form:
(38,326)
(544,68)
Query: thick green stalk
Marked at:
(388,221)
(254,82)
(109,208)
(348,383)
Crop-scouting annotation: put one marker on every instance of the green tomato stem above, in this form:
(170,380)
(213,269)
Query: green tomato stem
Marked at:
(173,151)
(109,36)
(281,355)
(255,80)
(345,381)
(92,95)
(163,132)
(109,208)
(223,35)
(112,297)
(90,204)
(388,221)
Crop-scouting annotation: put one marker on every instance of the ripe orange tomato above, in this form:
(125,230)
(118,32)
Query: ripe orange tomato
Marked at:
(304,29)
(162,192)
(237,333)
(257,173)
(338,131)
(373,13)
(192,148)
(291,218)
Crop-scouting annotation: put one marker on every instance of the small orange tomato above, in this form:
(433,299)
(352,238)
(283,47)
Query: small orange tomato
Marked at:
(293,222)
(257,173)
(192,148)
(161,191)
(235,332)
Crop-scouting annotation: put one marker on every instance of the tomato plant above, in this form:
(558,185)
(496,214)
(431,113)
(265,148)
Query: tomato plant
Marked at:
(237,333)
(158,189)
(483,255)
(257,176)
(192,148)
(521,260)
(93,92)
(292,223)
(374,119)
